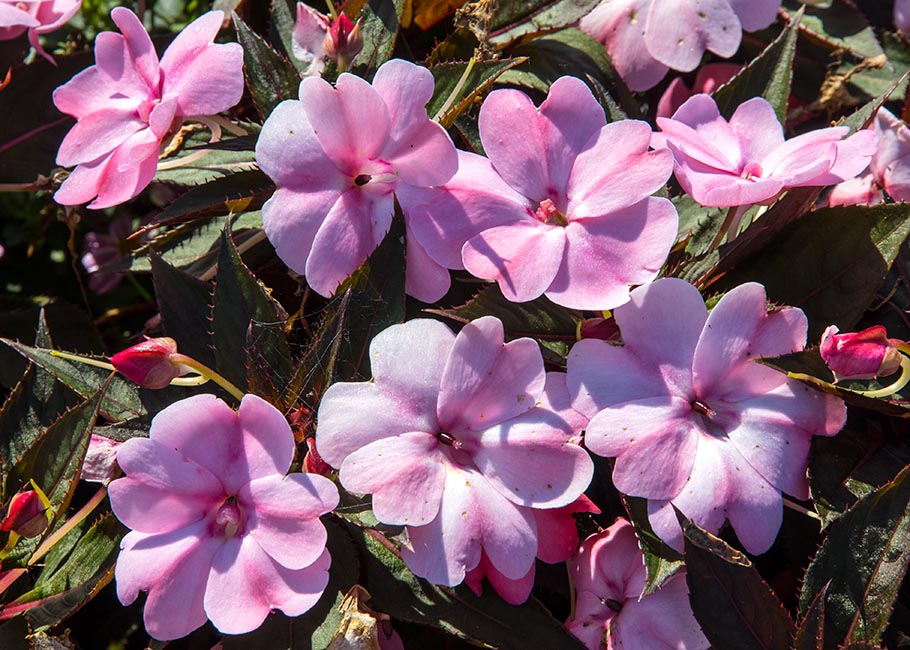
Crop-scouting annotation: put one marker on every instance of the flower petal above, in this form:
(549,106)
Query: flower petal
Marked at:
(679,31)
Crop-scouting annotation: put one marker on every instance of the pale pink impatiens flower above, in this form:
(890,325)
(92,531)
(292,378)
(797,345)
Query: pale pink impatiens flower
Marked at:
(37,16)
(683,394)
(646,37)
(608,574)
(340,156)
(747,160)
(218,530)
(562,207)
(456,438)
(128,103)
(889,169)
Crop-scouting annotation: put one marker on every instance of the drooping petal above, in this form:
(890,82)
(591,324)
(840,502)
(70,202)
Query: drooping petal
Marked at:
(163,491)
(514,592)
(557,531)
(425,279)
(172,567)
(487,381)
(245,584)
(522,257)
(663,619)
(306,43)
(605,256)
(203,75)
(405,474)
(97,135)
(284,516)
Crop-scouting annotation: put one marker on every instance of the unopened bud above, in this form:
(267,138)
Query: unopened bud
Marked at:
(150,363)
(343,40)
(27,515)
(313,462)
(598,328)
(860,355)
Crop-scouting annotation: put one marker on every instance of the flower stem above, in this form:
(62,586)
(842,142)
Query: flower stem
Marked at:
(89,361)
(890,389)
(205,371)
(455,92)
(798,508)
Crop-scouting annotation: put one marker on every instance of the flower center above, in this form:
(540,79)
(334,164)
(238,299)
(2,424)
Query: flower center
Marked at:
(750,171)
(700,407)
(448,439)
(228,519)
(145,108)
(547,212)
(362,180)
(614,605)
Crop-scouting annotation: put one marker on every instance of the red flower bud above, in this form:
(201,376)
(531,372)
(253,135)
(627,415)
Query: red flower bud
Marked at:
(27,515)
(149,363)
(598,328)
(860,355)
(313,462)
(343,40)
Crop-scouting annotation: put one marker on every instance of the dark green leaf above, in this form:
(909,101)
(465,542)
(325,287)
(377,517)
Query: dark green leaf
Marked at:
(487,621)
(185,305)
(830,262)
(877,81)
(839,26)
(661,561)
(376,301)
(243,304)
(864,558)
(209,160)
(733,605)
(270,76)
(542,18)
(766,76)
(282,32)
(568,52)
(811,632)
(456,90)
(15,633)
(381,20)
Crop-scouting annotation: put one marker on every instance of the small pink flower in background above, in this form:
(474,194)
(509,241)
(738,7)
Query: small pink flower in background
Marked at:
(128,103)
(557,542)
(707,79)
(37,16)
(102,249)
(902,15)
(316,37)
(860,355)
(459,438)
(562,207)
(683,394)
(609,575)
(647,37)
(747,160)
(339,157)
(150,363)
(889,169)
(100,464)
(218,530)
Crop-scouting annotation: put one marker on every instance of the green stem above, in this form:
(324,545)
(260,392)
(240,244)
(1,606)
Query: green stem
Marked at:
(455,91)
(798,508)
(89,361)
(889,390)
(205,371)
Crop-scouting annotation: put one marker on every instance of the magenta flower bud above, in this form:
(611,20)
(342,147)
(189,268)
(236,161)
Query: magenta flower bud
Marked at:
(598,328)
(860,355)
(313,462)
(149,363)
(27,515)
(343,40)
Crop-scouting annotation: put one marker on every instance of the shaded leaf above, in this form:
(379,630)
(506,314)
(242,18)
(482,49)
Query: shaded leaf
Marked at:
(839,26)
(457,91)
(14,634)
(270,77)
(767,76)
(811,632)
(661,561)
(877,81)
(864,558)
(731,602)
(242,302)
(845,254)
(535,18)
(316,369)
(381,20)
(209,160)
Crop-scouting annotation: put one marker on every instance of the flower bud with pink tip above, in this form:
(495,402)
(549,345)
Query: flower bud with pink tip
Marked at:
(860,355)
(27,515)
(150,363)
(343,41)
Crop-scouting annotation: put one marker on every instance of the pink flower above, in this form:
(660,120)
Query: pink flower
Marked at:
(646,37)
(103,249)
(460,439)
(557,542)
(315,37)
(860,355)
(100,464)
(902,15)
(609,575)
(128,103)
(218,530)
(38,17)
(562,207)
(747,160)
(339,157)
(889,170)
(683,395)
(707,79)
